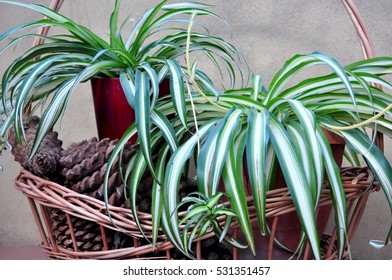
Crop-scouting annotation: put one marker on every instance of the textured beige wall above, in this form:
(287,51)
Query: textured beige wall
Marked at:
(267,32)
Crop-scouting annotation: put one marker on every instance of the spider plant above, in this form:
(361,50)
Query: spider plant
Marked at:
(278,124)
(46,75)
(281,124)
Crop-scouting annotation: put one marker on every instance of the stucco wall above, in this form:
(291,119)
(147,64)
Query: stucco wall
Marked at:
(267,32)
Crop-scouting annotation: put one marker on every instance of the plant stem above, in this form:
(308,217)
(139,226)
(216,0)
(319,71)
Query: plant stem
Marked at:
(364,123)
(191,77)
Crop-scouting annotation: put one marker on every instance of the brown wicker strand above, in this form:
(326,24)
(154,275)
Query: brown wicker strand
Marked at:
(51,195)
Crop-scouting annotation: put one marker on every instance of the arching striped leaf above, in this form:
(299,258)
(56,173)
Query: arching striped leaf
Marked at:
(257,87)
(338,69)
(177,90)
(173,174)
(309,126)
(166,128)
(25,89)
(257,140)
(378,164)
(337,192)
(128,134)
(296,182)
(235,189)
(205,160)
(224,141)
(153,77)
(139,168)
(128,86)
(142,114)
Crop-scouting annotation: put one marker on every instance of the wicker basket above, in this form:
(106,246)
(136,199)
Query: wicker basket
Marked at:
(46,197)
(53,204)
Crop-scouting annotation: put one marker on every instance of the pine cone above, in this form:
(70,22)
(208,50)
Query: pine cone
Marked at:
(45,162)
(82,159)
(87,234)
(84,166)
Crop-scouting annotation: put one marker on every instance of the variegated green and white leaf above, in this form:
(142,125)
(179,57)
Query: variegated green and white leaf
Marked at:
(26,88)
(129,88)
(230,240)
(235,189)
(157,194)
(177,90)
(351,156)
(143,119)
(138,170)
(257,87)
(378,164)
(337,192)
(128,134)
(315,173)
(257,140)
(296,182)
(206,159)
(154,82)
(224,141)
(173,174)
(161,121)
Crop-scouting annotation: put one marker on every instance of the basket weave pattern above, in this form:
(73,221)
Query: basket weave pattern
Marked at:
(49,200)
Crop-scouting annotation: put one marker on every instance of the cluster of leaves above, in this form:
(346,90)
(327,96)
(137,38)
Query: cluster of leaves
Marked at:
(50,72)
(266,126)
(279,125)
(203,215)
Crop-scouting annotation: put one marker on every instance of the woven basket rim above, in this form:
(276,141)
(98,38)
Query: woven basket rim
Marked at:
(357,181)
(279,201)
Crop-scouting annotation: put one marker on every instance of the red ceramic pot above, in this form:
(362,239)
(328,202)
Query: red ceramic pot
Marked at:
(113,114)
(112,111)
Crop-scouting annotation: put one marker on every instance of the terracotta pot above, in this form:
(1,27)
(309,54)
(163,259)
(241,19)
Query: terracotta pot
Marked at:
(112,112)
